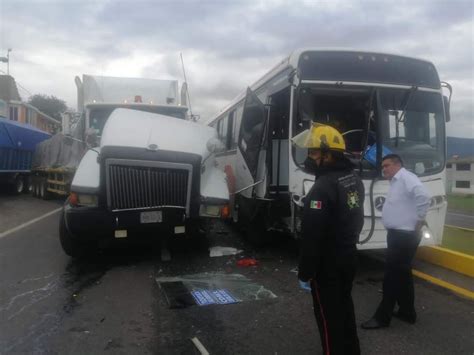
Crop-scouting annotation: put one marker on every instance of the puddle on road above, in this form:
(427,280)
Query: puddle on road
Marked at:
(211,288)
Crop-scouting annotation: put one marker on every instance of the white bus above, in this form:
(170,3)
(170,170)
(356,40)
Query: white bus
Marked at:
(380,103)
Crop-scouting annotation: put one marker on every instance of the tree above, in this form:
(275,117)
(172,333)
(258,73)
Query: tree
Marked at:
(50,105)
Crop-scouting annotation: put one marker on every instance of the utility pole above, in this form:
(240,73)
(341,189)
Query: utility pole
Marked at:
(7,60)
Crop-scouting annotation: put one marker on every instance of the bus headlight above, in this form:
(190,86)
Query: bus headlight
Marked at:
(426,232)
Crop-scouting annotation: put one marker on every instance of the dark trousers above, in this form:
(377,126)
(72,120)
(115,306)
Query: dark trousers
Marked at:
(334,309)
(398,279)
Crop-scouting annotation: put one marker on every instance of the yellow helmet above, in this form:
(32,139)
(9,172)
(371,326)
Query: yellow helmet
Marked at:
(320,136)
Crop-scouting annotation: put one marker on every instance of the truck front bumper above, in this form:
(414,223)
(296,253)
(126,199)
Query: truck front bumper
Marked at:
(100,223)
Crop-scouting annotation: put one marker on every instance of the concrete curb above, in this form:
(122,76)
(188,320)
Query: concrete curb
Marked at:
(449,259)
(444,284)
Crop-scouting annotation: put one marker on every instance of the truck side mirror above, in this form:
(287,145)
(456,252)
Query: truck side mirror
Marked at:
(447,114)
(68,140)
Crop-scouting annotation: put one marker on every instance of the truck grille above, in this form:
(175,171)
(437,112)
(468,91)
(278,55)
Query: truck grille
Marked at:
(136,184)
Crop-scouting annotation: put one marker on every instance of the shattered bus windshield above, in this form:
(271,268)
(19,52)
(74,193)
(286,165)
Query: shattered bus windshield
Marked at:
(416,135)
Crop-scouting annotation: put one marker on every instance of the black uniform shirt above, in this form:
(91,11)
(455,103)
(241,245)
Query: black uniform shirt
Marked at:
(332,219)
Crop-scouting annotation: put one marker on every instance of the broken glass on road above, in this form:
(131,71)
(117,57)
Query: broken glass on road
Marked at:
(211,288)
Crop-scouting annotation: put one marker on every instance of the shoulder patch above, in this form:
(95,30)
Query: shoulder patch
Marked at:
(317,205)
(353,200)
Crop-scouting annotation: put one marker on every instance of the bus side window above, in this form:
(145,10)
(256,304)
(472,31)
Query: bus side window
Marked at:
(223,130)
(230,133)
(238,120)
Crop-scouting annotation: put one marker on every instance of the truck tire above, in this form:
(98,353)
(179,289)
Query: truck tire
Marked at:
(35,187)
(18,185)
(28,186)
(70,244)
(43,189)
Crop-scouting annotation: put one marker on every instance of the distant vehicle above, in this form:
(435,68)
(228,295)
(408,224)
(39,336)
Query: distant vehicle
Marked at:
(380,102)
(148,169)
(18,142)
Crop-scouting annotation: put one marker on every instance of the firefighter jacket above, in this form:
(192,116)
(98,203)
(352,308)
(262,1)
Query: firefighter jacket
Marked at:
(333,217)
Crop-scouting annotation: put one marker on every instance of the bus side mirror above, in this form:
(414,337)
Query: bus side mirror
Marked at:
(446,109)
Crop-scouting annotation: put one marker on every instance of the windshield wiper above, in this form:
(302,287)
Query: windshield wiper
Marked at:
(402,116)
(407,102)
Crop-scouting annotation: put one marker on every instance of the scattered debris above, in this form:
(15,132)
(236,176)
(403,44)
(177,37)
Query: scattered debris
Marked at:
(199,346)
(295,270)
(221,251)
(305,286)
(247,262)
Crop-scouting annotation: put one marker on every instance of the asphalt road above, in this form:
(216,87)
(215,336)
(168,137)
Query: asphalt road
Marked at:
(460,219)
(111,303)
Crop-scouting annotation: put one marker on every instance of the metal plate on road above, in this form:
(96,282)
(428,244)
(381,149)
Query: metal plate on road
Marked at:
(151,217)
(207,297)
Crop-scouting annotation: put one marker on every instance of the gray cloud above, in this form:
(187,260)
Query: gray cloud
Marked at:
(227,45)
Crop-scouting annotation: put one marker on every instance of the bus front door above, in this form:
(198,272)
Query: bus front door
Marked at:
(250,161)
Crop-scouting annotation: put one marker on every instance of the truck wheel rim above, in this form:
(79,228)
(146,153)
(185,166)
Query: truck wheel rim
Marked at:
(19,186)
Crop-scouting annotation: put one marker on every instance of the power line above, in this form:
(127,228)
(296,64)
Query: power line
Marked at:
(18,84)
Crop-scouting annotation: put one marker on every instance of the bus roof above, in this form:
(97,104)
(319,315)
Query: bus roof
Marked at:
(291,62)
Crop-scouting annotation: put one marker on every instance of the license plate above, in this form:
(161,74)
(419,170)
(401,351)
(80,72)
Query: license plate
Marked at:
(151,217)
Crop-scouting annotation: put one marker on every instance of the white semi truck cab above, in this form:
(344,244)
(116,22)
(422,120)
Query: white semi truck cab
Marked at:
(152,174)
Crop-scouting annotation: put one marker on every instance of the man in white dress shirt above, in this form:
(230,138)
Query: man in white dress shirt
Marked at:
(403,216)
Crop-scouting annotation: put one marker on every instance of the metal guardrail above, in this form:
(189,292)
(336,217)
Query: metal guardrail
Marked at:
(460,228)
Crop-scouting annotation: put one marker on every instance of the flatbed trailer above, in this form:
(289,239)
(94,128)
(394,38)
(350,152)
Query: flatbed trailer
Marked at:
(47,182)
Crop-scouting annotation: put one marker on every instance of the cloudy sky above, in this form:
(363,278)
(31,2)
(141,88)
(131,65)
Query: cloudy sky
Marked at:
(227,45)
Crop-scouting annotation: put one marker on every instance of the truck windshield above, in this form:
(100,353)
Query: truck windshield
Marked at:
(99,115)
(417,135)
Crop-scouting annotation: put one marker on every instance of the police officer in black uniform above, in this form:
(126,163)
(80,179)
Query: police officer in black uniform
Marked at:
(332,220)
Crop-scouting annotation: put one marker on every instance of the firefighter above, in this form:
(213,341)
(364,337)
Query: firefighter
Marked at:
(333,217)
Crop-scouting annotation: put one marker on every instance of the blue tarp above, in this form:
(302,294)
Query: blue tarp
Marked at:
(20,136)
(17,144)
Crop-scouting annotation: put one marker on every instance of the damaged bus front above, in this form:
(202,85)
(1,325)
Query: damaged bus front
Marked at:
(381,103)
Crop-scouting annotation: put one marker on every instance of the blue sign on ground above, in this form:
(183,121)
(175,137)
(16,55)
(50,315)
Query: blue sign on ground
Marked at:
(207,297)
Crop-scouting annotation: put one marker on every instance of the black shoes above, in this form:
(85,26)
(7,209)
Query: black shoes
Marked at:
(409,318)
(373,323)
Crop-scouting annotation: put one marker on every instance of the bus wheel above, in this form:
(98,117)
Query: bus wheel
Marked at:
(257,234)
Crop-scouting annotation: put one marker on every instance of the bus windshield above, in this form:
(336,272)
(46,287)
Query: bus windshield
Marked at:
(417,134)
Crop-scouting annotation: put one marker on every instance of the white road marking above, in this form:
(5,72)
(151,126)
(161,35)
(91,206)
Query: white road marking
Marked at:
(199,346)
(21,226)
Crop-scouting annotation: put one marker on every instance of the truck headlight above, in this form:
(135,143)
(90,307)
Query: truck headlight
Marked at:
(87,200)
(215,211)
(210,211)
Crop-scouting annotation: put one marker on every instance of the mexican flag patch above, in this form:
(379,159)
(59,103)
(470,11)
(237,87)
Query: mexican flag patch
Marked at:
(317,205)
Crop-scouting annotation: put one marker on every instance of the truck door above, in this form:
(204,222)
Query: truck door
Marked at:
(249,147)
